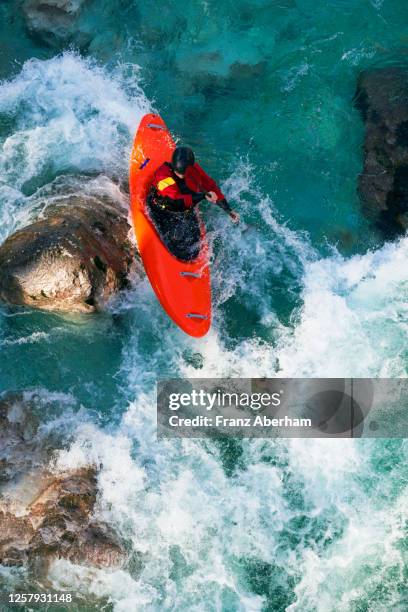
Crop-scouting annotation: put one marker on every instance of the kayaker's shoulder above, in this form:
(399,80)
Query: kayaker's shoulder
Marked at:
(164,170)
(194,169)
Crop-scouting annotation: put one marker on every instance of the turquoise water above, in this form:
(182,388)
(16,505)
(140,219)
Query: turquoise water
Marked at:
(263,91)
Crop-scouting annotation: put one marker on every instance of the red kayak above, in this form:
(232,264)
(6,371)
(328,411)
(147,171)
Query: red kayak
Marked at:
(182,287)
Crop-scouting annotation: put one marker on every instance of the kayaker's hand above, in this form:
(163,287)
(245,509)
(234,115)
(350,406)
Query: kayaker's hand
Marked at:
(211,196)
(235,217)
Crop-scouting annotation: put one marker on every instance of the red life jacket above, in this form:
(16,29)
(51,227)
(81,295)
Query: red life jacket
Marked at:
(166,183)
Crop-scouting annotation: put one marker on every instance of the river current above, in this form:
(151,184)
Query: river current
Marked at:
(305,287)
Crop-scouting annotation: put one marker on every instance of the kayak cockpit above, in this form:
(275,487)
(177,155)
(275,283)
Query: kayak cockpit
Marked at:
(180,232)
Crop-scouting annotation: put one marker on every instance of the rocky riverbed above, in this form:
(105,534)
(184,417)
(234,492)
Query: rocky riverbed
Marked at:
(45,513)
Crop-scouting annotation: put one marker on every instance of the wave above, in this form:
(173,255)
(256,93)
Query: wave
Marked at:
(63,115)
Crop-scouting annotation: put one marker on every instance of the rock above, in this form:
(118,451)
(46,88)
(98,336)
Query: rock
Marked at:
(63,525)
(19,447)
(46,515)
(54,21)
(97,545)
(382,98)
(72,260)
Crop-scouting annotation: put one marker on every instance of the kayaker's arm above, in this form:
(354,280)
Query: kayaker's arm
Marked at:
(207,183)
(198,197)
(214,193)
(211,197)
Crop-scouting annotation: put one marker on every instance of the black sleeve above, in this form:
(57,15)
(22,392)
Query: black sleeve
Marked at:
(224,205)
(197,197)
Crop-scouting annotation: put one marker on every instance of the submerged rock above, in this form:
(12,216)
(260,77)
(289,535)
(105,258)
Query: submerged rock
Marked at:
(46,515)
(72,260)
(382,98)
(52,20)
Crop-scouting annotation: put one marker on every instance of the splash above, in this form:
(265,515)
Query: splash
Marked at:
(63,115)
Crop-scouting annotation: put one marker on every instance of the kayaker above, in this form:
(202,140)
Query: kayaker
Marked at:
(181,184)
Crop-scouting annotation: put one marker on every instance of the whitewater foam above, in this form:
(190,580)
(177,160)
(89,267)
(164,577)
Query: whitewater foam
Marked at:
(68,115)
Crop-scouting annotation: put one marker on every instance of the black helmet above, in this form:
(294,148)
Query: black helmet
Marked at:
(182,158)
